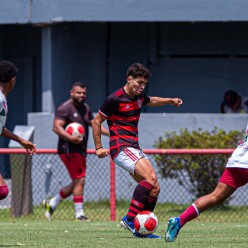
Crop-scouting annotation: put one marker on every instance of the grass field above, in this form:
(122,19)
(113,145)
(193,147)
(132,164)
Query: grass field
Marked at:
(34,233)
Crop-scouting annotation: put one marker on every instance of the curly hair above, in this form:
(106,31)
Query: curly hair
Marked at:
(138,70)
(8,70)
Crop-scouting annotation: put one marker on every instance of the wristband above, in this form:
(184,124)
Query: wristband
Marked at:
(98,148)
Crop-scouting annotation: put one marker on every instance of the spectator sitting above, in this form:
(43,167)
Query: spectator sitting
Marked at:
(234,103)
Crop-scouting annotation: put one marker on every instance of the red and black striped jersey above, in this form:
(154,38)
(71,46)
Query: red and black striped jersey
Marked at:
(122,113)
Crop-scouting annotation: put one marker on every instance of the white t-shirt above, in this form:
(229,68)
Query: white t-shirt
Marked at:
(242,109)
(239,158)
(3,111)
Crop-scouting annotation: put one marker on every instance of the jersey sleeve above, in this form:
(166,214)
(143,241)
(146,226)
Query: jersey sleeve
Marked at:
(108,107)
(146,99)
(61,113)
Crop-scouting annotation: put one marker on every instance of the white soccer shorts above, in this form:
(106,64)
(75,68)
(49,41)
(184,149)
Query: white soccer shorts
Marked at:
(128,158)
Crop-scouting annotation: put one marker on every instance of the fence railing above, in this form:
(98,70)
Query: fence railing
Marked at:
(108,188)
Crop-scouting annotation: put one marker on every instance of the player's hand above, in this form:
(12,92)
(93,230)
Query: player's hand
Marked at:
(76,139)
(177,102)
(102,152)
(29,146)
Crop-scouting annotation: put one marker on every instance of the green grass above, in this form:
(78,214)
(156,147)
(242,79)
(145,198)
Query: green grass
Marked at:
(99,211)
(34,233)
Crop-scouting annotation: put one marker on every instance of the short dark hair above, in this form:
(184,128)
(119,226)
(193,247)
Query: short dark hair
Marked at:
(231,97)
(8,70)
(138,70)
(79,83)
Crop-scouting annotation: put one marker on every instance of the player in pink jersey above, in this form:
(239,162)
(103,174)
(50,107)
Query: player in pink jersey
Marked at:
(234,176)
(122,111)
(8,71)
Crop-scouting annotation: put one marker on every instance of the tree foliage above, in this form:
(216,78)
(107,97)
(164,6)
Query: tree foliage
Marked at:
(198,174)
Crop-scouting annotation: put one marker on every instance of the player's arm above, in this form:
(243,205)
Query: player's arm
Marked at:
(58,128)
(29,146)
(97,130)
(104,130)
(160,101)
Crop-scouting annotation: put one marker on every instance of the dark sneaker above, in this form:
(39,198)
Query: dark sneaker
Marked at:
(172,229)
(82,218)
(130,226)
(49,209)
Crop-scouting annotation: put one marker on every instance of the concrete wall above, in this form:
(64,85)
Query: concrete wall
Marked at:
(151,126)
(46,11)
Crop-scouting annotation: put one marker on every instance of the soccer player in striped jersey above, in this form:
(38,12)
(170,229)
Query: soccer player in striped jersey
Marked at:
(8,71)
(122,111)
(234,176)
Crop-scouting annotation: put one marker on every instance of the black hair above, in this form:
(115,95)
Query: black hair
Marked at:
(138,70)
(79,83)
(8,70)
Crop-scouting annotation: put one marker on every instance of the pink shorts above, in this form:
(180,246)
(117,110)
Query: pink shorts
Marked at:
(75,164)
(235,177)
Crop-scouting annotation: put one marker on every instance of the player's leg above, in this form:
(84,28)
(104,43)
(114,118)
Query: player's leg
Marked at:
(136,163)
(231,179)
(145,171)
(78,176)
(221,192)
(4,191)
(51,205)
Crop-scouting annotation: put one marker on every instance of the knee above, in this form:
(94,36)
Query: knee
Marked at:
(153,180)
(80,182)
(155,191)
(4,191)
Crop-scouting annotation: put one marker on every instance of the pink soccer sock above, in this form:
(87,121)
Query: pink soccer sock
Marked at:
(189,214)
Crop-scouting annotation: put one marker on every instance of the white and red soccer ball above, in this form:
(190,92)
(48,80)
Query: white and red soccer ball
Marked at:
(146,222)
(75,129)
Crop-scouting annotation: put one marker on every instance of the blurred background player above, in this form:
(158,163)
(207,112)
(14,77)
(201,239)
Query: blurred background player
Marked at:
(122,110)
(72,149)
(234,176)
(234,103)
(8,71)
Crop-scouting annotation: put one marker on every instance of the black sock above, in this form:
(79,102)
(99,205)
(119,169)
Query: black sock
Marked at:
(151,203)
(139,200)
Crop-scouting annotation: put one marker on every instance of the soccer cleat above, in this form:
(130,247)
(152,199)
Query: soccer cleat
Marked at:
(130,226)
(172,229)
(49,209)
(82,218)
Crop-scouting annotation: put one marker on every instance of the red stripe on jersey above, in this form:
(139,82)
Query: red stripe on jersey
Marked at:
(129,106)
(119,92)
(123,137)
(126,128)
(122,118)
(102,114)
(121,145)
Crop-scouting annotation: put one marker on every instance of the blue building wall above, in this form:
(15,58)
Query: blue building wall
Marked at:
(46,11)
(195,49)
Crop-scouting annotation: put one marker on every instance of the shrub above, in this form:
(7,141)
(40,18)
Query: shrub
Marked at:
(198,174)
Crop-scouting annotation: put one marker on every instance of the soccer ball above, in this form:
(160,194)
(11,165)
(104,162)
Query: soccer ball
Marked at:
(75,129)
(146,222)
